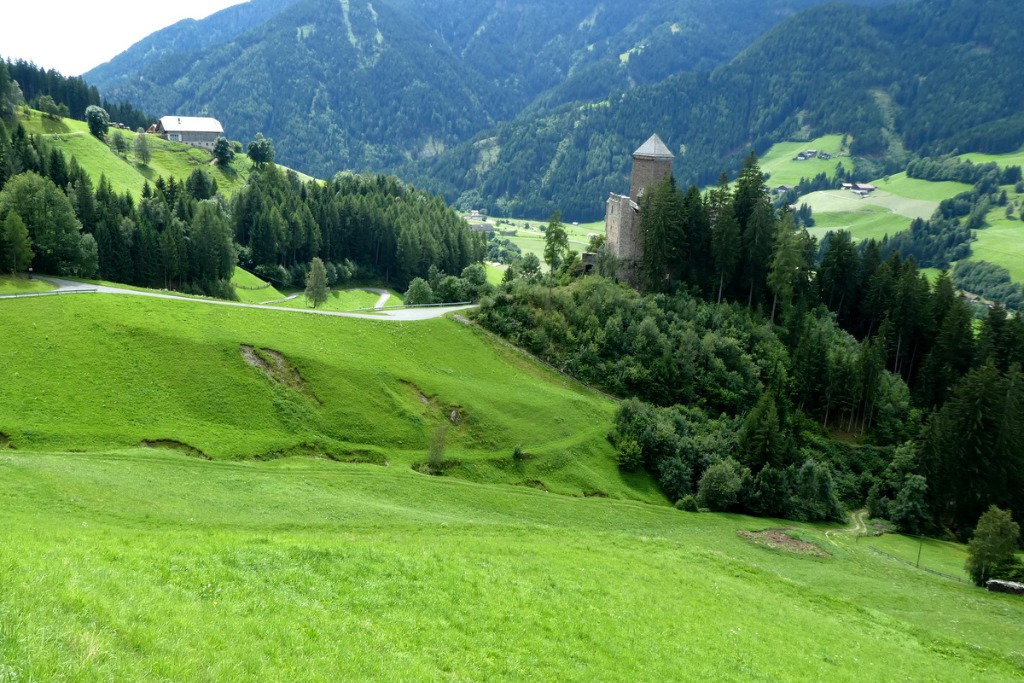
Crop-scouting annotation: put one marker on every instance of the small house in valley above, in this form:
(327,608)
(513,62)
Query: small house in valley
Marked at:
(197,131)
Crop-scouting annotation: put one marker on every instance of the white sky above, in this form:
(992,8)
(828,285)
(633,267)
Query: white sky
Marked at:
(73,36)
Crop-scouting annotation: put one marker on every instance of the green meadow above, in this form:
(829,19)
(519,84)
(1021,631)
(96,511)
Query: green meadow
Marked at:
(94,372)
(1001,242)
(176,509)
(16,284)
(252,290)
(782,168)
(140,565)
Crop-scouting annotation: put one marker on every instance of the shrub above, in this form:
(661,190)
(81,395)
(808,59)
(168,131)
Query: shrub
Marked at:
(630,456)
(687,503)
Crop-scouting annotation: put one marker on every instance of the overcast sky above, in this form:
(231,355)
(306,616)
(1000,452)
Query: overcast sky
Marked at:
(73,36)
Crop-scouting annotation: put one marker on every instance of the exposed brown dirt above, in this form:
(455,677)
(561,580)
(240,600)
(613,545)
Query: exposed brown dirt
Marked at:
(424,399)
(778,539)
(278,368)
(172,445)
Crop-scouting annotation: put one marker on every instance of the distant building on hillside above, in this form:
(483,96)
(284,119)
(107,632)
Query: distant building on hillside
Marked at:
(197,131)
(652,163)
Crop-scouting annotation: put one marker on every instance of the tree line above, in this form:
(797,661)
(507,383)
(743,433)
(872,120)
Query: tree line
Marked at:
(185,235)
(774,375)
(72,91)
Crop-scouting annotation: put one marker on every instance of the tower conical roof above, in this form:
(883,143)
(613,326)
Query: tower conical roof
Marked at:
(654,148)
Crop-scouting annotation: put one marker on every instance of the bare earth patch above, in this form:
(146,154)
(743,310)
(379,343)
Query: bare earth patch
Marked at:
(778,539)
(278,368)
(172,445)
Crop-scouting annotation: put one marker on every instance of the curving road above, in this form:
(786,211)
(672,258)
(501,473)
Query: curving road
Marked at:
(406,314)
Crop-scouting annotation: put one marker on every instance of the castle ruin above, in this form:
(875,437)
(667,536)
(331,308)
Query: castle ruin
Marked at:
(652,163)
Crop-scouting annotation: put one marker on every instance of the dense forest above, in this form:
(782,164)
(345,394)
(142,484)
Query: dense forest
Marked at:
(921,78)
(772,375)
(182,234)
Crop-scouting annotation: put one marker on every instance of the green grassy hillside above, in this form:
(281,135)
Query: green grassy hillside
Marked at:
(99,371)
(138,565)
(15,284)
(782,168)
(126,174)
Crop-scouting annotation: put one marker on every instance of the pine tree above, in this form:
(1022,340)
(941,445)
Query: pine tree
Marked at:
(725,233)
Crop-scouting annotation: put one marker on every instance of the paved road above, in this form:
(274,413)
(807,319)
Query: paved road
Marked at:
(405,314)
(384,296)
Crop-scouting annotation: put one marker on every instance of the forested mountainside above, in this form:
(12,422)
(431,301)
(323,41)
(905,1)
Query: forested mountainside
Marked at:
(917,77)
(178,41)
(352,85)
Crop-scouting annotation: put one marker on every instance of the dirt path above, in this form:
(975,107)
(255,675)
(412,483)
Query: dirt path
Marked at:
(859,527)
(402,315)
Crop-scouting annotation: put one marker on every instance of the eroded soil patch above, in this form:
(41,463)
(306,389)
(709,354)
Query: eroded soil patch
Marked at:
(278,369)
(435,407)
(306,450)
(779,539)
(172,445)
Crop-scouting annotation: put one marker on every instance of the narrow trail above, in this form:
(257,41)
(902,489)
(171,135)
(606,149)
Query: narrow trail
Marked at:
(859,527)
(402,315)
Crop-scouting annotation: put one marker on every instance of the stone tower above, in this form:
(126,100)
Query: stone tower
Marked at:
(652,163)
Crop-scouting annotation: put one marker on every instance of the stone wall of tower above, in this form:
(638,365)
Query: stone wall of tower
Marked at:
(622,230)
(647,173)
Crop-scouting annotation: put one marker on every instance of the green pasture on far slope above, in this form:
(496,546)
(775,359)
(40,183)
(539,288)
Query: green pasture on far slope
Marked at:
(782,168)
(126,174)
(1001,242)
(137,565)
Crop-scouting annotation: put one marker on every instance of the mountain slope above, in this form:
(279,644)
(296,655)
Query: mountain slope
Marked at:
(926,77)
(370,86)
(186,37)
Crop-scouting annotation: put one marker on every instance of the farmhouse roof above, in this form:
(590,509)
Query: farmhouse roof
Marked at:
(654,148)
(190,124)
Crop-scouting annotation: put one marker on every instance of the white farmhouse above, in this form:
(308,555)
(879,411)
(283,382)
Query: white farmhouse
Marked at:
(197,131)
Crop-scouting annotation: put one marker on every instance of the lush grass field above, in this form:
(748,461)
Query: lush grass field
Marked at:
(865,223)
(1001,243)
(127,174)
(100,371)
(340,300)
(921,190)
(15,284)
(941,556)
(139,565)
(782,168)
(243,281)
(1011,159)
(833,201)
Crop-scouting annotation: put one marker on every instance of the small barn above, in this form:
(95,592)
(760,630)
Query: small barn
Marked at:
(197,131)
